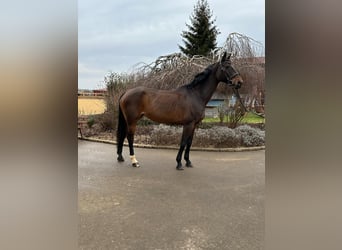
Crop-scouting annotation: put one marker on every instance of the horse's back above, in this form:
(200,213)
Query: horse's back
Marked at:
(151,95)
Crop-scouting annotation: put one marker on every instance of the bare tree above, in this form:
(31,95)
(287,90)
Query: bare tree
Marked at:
(116,85)
(242,46)
(248,56)
(174,70)
(171,71)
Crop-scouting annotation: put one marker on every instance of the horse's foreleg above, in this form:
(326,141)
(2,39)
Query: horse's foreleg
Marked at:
(179,156)
(187,150)
(187,153)
(187,135)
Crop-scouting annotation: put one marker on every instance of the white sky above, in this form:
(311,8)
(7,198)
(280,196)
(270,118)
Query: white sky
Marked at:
(116,35)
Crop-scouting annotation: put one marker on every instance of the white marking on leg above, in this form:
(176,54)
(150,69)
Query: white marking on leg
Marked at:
(133,159)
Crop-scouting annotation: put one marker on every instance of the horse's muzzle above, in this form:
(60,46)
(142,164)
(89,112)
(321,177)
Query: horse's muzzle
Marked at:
(238,85)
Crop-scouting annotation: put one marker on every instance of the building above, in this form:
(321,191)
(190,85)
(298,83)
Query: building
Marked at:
(218,99)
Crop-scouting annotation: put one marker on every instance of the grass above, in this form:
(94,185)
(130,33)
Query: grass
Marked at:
(248,118)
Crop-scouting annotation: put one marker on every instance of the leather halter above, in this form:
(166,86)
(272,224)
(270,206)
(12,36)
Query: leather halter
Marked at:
(227,73)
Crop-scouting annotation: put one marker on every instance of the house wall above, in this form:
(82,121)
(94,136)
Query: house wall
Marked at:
(211,112)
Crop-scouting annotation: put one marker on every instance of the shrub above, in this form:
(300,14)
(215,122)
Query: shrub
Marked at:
(250,136)
(221,109)
(91,121)
(94,130)
(205,125)
(107,120)
(166,135)
(116,85)
(216,136)
(235,115)
(145,122)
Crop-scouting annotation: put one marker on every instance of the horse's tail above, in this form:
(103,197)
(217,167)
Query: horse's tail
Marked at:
(121,132)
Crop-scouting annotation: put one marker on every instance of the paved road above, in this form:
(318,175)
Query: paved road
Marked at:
(218,204)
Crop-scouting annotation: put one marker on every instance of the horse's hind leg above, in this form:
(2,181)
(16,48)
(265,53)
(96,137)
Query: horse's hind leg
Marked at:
(121,134)
(119,148)
(130,138)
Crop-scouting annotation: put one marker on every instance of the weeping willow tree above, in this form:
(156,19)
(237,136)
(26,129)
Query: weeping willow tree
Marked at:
(242,46)
(248,56)
(171,71)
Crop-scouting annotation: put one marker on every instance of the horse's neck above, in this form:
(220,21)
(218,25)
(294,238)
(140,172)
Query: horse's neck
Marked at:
(207,89)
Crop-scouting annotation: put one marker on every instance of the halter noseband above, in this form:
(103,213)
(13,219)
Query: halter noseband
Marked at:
(227,75)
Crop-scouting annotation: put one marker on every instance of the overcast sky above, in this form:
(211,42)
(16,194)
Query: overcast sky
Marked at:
(116,35)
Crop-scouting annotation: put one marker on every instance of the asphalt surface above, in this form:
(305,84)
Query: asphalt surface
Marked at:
(218,204)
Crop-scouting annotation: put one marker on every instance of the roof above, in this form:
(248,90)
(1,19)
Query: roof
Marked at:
(214,103)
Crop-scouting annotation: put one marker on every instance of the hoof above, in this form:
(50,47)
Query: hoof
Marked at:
(179,167)
(189,165)
(136,165)
(120,158)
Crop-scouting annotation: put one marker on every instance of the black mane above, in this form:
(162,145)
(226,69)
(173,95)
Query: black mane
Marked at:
(200,77)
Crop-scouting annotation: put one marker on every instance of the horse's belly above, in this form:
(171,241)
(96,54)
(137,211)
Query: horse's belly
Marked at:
(167,117)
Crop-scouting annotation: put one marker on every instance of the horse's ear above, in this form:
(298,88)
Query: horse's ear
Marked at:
(224,56)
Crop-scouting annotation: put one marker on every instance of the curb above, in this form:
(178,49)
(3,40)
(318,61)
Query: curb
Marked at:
(176,148)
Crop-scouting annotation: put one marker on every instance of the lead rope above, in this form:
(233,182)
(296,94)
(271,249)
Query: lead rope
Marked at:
(237,94)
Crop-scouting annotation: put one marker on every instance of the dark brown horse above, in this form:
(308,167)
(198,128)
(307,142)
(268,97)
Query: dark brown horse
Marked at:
(183,106)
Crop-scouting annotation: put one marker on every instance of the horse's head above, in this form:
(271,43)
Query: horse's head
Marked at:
(226,72)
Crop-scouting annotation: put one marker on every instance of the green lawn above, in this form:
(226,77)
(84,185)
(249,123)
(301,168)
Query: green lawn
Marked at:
(249,118)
